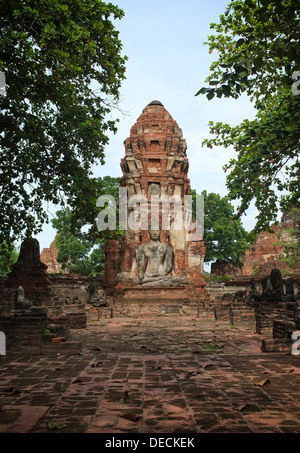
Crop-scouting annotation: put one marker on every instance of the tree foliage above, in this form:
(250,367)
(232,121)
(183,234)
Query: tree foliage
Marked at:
(76,253)
(257,42)
(79,243)
(63,68)
(8,257)
(225,237)
(290,240)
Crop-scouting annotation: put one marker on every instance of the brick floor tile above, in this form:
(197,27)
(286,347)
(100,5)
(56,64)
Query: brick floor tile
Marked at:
(153,375)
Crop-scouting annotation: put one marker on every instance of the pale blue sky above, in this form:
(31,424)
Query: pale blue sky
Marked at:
(168,61)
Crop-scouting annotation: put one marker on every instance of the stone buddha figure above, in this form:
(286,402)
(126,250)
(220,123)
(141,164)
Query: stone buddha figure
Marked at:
(155,262)
(21,301)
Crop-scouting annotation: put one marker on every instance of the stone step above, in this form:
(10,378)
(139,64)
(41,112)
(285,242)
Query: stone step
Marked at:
(95,314)
(160,309)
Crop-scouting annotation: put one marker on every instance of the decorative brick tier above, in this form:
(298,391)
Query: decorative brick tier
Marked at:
(138,310)
(153,295)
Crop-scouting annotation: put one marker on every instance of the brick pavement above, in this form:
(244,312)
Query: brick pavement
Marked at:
(153,375)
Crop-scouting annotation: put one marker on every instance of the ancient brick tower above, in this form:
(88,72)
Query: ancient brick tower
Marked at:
(156,164)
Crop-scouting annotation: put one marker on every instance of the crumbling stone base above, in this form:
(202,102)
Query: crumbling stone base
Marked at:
(33,332)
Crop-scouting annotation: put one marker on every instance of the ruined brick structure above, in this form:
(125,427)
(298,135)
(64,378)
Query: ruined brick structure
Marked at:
(221,268)
(49,257)
(33,316)
(156,163)
(30,273)
(269,250)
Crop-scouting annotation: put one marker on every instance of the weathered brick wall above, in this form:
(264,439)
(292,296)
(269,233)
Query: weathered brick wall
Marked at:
(45,324)
(49,258)
(217,290)
(283,329)
(112,266)
(7,297)
(267,312)
(70,289)
(268,250)
(242,316)
(34,332)
(220,268)
(23,333)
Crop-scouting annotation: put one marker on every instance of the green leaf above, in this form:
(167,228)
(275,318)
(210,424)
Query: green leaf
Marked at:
(240,42)
(242,74)
(226,90)
(292,53)
(248,66)
(56,425)
(201,91)
(238,87)
(210,95)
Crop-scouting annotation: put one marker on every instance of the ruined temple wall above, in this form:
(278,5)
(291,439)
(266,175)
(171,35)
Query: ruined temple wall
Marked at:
(49,258)
(71,289)
(269,249)
(264,254)
(218,290)
(64,291)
